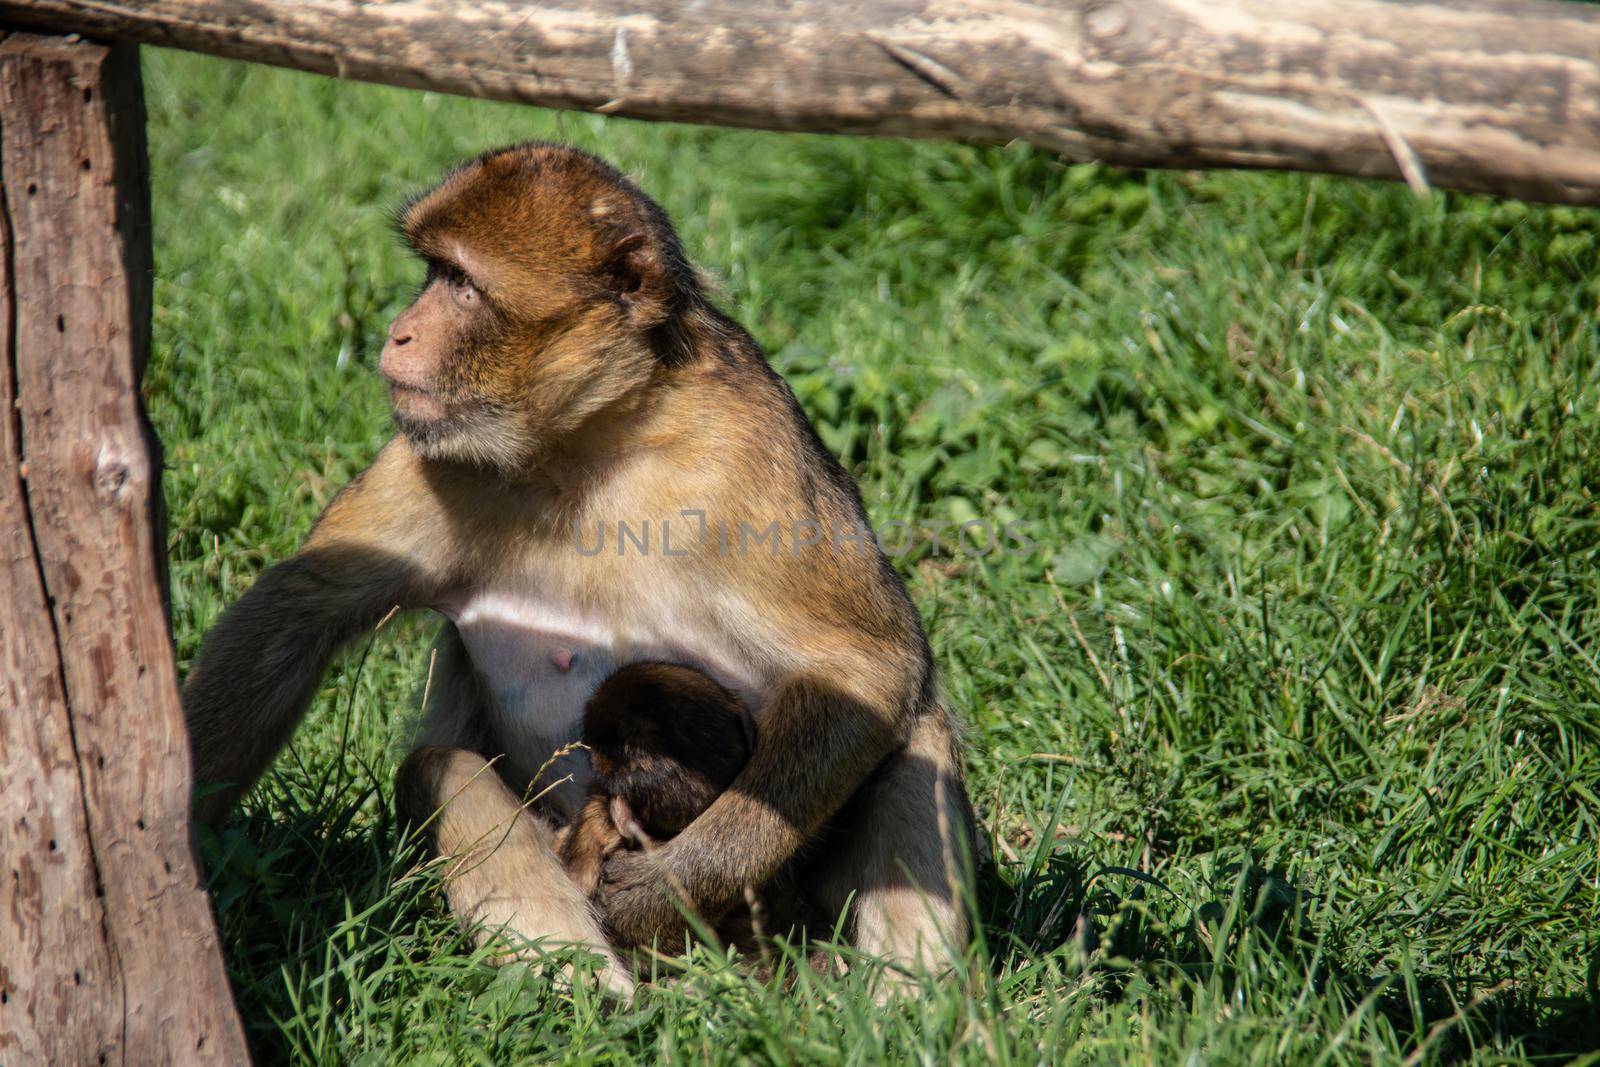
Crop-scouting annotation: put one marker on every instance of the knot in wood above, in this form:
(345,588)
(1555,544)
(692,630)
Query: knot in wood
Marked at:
(112,469)
(1104,21)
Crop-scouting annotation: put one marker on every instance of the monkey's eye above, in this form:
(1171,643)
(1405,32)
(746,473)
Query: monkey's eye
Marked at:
(461,287)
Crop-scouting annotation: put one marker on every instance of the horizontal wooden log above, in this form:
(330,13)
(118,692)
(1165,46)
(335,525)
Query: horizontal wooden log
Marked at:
(108,951)
(1496,96)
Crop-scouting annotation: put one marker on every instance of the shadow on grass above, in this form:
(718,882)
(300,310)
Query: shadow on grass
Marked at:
(1127,931)
(307,875)
(320,905)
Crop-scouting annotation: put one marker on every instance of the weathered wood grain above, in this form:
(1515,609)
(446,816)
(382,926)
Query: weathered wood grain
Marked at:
(108,951)
(1498,96)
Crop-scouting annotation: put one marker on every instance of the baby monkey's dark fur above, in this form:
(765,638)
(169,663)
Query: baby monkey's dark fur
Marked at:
(665,742)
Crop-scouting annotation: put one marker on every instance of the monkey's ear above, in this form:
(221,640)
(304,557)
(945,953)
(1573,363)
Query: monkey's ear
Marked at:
(626,823)
(632,271)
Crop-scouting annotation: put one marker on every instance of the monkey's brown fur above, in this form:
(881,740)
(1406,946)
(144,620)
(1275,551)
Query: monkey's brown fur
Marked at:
(563,370)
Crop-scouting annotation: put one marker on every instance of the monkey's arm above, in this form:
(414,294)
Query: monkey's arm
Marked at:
(815,744)
(260,664)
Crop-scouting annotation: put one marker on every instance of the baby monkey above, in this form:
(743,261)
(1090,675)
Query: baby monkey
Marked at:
(665,742)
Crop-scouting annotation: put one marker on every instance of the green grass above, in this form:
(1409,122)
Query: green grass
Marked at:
(1286,733)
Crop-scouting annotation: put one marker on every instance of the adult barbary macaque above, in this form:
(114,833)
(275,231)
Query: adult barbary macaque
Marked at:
(562,369)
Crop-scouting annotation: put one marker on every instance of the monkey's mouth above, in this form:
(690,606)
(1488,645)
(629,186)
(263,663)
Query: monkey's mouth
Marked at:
(440,426)
(414,406)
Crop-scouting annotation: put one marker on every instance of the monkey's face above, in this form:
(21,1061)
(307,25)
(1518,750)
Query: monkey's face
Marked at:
(547,275)
(430,344)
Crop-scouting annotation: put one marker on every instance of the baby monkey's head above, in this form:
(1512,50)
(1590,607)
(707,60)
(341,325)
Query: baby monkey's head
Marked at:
(665,742)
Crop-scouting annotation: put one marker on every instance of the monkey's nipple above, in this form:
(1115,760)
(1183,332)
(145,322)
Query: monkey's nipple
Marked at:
(562,658)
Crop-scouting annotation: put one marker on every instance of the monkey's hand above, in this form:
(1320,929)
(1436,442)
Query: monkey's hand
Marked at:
(639,900)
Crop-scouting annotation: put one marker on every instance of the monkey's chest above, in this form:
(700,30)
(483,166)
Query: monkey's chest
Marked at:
(540,660)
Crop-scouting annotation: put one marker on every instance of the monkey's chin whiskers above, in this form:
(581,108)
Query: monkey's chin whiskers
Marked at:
(416,405)
(475,437)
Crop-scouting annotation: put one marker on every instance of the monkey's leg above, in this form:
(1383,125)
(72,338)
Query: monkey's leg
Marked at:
(501,872)
(903,848)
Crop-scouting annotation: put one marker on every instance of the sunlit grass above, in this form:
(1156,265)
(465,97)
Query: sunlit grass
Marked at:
(1285,734)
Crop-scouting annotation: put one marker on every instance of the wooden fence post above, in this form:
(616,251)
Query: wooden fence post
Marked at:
(108,949)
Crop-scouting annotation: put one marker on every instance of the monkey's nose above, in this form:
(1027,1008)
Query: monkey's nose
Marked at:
(402,362)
